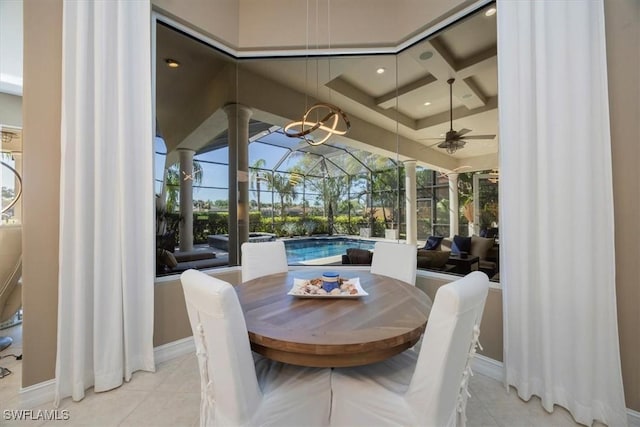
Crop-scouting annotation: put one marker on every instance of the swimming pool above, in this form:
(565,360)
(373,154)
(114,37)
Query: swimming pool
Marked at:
(299,250)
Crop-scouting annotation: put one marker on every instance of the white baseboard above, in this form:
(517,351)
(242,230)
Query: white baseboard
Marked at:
(37,394)
(174,349)
(633,418)
(44,392)
(488,367)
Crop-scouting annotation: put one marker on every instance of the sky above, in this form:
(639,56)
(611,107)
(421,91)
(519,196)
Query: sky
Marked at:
(215,169)
(216,175)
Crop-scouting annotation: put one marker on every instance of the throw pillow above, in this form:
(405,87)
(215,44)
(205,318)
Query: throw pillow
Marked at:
(480,246)
(433,243)
(165,257)
(461,244)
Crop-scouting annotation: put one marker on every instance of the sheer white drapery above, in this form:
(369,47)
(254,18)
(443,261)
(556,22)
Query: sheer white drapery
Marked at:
(556,207)
(105,304)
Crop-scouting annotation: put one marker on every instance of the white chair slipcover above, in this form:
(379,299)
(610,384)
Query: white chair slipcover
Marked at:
(234,390)
(262,259)
(396,260)
(428,388)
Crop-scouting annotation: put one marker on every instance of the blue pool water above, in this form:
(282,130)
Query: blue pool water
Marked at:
(306,249)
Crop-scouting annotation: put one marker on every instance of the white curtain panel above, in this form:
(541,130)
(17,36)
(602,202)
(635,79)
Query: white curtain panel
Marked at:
(105,303)
(556,208)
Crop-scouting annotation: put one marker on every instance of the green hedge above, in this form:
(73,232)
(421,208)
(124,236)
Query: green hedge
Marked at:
(205,224)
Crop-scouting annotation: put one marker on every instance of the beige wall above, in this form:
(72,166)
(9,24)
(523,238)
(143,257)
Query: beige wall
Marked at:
(623,56)
(171,320)
(491,326)
(41,175)
(41,113)
(216,19)
(282,24)
(374,23)
(10,110)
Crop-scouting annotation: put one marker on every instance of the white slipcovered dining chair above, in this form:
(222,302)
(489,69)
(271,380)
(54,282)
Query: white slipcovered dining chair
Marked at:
(396,260)
(235,390)
(262,259)
(425,388)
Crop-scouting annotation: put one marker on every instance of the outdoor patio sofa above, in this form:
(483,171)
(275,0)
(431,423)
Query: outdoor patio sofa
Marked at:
(436,258)
(426,260)
(177,262)
(485,248)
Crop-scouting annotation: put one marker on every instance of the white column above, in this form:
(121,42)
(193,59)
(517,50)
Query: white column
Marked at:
(454,208)
(186,199)
(238,116)
(411,204)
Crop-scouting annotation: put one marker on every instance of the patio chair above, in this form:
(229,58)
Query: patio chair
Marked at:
(235,390)
(396,260)
(263,258)
(425,387)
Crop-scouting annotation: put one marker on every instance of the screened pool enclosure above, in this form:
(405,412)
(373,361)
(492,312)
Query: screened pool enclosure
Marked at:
(297,189)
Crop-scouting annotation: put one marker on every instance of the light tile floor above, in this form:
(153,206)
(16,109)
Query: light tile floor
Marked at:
(171,397)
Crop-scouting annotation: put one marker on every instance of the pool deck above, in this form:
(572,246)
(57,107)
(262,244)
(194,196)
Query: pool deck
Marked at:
(331,260)
(221,241)
(222,256)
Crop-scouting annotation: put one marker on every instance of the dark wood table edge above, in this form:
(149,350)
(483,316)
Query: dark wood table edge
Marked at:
(331,360)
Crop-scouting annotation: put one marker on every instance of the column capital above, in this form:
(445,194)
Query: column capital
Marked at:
(239,110)
(410,162)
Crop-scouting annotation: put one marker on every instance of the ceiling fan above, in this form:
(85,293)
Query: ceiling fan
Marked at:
(454,139)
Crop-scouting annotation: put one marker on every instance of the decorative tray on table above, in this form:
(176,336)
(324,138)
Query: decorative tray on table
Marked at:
(329,286)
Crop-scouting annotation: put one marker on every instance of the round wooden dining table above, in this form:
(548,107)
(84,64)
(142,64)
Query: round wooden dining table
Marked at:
(332,332)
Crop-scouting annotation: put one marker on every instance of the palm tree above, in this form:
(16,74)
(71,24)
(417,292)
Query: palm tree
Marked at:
(258,175)
(285,186)
(173,183)
(332,189)
(385,191)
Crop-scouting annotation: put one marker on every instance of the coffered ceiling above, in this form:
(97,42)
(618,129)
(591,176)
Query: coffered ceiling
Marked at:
(393,100)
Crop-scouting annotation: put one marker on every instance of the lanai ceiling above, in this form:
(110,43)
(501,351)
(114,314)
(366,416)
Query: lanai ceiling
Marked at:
(191,94)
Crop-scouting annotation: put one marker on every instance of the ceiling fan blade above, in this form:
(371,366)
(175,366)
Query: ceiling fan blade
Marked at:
(480,137)
(463,131)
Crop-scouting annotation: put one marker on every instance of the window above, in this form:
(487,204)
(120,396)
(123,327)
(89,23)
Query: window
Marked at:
(350,188)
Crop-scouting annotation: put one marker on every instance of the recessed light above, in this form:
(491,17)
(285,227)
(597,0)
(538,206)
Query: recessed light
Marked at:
(380,70)
(490,12)
(426,55)
(172,63)
(427,103)
(466,96)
